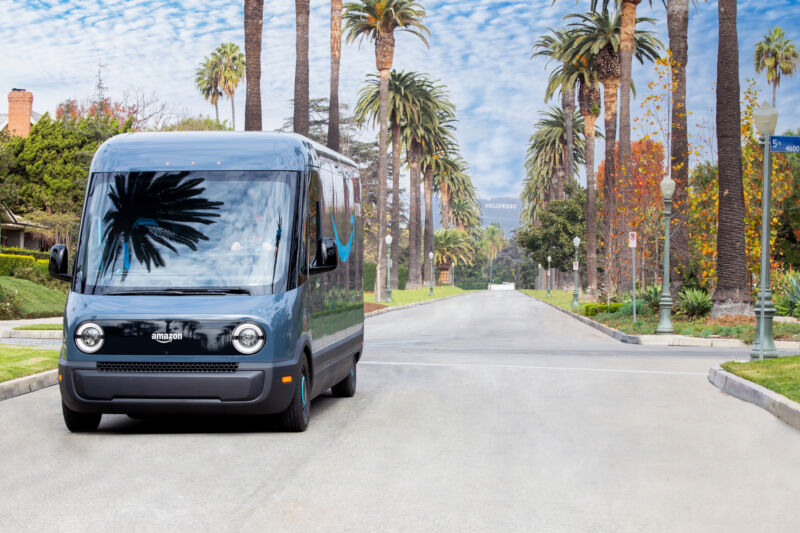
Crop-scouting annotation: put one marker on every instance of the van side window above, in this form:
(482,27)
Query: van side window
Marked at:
(314,217)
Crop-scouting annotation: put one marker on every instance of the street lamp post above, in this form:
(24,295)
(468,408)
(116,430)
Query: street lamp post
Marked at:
(430,256)
(665,304)
(766,118)
(549,277)
(388,269)
(576,242)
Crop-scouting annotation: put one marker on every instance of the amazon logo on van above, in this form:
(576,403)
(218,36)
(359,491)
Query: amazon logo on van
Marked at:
(344,250)
(166,338)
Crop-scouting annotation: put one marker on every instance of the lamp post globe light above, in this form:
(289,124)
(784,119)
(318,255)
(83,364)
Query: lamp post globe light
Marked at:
(388,268)
(665,304)
(430,256)
(766,118)
(576,242)
(549,277)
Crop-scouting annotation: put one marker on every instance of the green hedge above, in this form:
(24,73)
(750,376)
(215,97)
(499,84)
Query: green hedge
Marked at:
(10,263)
(368,282)
(21,251)
(593,309)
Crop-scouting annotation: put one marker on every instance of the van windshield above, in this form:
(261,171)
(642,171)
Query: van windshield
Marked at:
(187,232)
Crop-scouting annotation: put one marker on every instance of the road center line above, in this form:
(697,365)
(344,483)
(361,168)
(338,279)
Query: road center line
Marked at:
(530,367)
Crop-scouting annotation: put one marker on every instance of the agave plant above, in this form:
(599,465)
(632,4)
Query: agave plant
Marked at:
(694,303)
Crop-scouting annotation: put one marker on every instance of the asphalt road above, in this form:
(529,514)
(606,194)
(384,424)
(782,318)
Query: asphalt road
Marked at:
(487,412)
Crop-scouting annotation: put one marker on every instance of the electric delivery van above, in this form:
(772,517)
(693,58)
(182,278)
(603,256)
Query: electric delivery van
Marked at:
(214,273)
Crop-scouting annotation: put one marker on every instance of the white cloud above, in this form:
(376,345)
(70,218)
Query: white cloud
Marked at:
(479,48)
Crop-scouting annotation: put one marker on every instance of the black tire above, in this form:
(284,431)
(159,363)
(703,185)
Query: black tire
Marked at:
(347,387)
(297,415)
(80,422)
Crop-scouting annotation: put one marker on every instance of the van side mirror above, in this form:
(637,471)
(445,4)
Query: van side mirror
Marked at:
(327,257)
(59,263)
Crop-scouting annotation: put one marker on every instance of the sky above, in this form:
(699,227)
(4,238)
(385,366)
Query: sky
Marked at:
(479,48)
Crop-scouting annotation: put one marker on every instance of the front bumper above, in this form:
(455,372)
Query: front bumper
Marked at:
(252,388)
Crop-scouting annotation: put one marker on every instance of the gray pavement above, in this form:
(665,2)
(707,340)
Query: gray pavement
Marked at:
(488,412)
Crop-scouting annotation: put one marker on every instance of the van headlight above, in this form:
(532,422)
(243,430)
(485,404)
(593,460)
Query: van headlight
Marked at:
(89,337)
(248,338)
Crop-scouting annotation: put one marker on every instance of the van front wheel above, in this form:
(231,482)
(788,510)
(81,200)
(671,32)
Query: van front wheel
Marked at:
(297,415)
(80,422)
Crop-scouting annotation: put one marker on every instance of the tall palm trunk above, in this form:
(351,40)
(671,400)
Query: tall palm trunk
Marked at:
(301,67)
(732,295)
(383,171)
(568,105)
(678,28)
(395,252)
(445,197)
(774,94)
(414,219)
(428,236)
(233,112)
(336,54)
(590,97)
(611,228)
(626,41)
(253,23)
(216,107)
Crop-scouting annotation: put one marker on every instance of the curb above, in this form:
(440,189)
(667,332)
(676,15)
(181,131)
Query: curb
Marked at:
(26,384)
(611,332)
(414,304)
(746,390)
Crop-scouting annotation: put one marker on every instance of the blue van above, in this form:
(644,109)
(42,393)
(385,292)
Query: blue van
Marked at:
(214,273)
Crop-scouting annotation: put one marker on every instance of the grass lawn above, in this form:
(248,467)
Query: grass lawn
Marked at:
(40,327)
(36,301)
(417,295)
(742,328)
(18,361)
(557,298)
(780,375)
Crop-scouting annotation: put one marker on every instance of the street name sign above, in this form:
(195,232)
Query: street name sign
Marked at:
(785,143)
(575,265)
(631,239)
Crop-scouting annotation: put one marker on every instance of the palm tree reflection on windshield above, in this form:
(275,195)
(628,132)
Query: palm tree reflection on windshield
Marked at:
(149,211)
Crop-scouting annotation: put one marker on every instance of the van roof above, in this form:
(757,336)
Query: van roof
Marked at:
(218,150)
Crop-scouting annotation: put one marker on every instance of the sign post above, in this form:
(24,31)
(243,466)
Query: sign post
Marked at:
(632,246)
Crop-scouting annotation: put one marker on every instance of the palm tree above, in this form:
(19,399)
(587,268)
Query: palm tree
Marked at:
(231,71)
(552,46)
(547,158)
(301,103)
(450,247)
(495,241)
(377,20)
(416,127)
(407,94)
(597,34)
(732,294)
(467,216)
(777,55)
(678,29)
(207,81)
(253,25)
(167,221)
(336,55)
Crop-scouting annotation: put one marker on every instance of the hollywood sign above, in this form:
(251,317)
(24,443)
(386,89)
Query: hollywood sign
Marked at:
(500,206)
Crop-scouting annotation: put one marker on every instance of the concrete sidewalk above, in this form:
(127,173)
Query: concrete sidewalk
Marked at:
(7,329)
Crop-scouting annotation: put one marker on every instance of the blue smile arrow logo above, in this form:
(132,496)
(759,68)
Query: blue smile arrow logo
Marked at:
(344,251)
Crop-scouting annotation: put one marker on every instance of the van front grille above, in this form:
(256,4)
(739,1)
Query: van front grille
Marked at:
(131,366)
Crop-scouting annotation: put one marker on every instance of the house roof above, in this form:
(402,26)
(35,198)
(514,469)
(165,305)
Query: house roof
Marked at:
(11,221)
(4,119)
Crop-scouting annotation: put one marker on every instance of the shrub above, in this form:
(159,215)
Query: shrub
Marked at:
(9,304)
(594,309)
(22,251)
(10,263)
(370,273)
(642,308)
(694,303)
(784,305)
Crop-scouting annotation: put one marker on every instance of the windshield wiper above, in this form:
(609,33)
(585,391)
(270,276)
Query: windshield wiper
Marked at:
(179,292)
